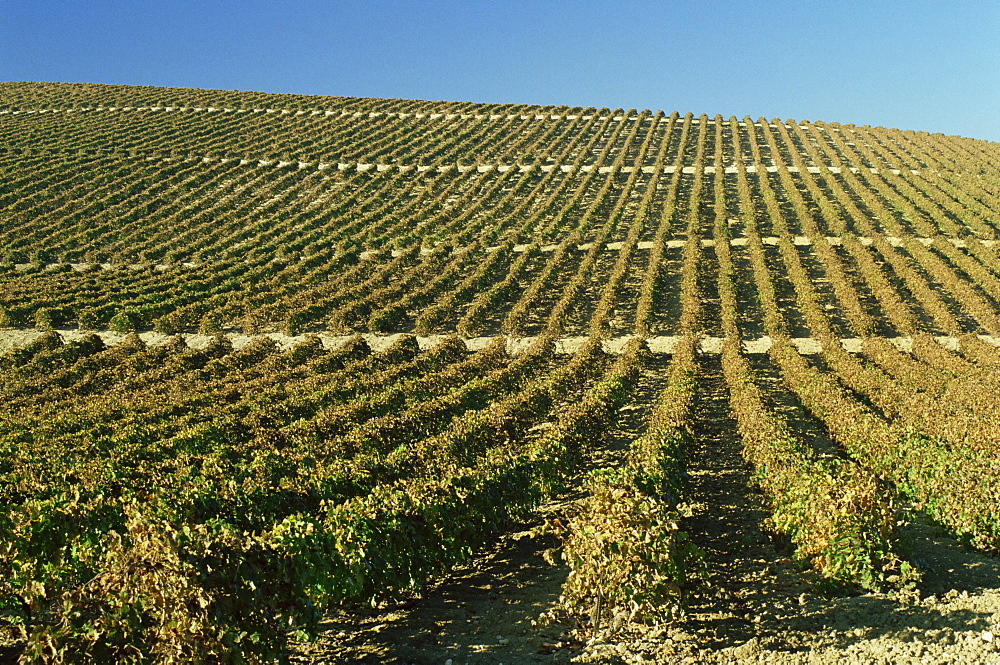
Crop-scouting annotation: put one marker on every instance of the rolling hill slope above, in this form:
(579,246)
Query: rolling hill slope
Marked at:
(274,356)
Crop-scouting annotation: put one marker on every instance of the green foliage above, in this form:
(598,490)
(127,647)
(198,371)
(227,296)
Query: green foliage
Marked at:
(623,545)
(126,321)
(87,318)
(627,553)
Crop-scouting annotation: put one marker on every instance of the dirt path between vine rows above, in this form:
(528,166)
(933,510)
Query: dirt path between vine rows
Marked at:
(12,338)
(757,605)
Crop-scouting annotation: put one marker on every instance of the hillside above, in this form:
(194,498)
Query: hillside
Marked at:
(269,361)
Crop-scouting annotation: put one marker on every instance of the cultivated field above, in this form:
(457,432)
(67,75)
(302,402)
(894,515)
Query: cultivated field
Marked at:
(338,379)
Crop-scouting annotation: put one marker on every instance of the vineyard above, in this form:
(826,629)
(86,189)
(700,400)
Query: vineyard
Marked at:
(268,359)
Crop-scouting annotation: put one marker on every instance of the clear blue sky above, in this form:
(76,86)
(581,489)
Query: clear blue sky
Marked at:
(911,64)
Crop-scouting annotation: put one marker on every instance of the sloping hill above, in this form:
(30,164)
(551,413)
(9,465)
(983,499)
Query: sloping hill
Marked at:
(272,356)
